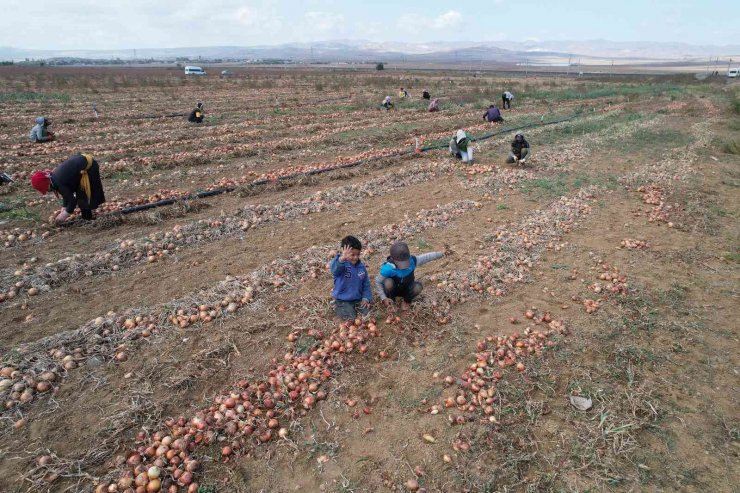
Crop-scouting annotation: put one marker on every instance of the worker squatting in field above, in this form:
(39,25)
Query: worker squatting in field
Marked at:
(40,132)
(196,116)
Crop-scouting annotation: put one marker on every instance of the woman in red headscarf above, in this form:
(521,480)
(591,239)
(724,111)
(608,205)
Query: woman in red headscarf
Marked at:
(77,180)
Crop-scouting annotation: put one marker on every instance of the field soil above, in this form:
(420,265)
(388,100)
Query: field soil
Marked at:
(579,334)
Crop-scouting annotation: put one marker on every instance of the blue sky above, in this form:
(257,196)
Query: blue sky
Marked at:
(77,24)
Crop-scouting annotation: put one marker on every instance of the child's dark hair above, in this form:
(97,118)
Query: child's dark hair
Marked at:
(352,242)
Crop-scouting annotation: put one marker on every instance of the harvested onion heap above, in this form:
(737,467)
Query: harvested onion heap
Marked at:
(17,236)
(616,284)
(496,177)
(653,195)
(23,388)
(476,388)
(631,244)
(250,414)
(514,250)
(163,194)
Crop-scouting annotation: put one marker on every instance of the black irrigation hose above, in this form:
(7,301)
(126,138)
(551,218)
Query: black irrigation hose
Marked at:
(264,181)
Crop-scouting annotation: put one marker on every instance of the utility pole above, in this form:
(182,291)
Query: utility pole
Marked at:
(729,64)
(611,72)
(567,71)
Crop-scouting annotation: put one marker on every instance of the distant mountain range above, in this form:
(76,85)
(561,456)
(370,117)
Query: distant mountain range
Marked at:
(438,52)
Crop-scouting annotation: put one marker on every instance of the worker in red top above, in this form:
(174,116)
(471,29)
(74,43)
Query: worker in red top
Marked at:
(77,180)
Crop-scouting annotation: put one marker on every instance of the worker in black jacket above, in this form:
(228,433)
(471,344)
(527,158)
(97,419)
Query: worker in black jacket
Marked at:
(196,116)
(519,150)
(77,180)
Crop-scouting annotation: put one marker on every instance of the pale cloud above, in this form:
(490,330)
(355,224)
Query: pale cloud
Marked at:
(448,20)
(325,21)
(415,24)
(411,23)
(258,18)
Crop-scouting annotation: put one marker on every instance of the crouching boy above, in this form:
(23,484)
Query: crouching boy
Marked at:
(396,277)
(352,293)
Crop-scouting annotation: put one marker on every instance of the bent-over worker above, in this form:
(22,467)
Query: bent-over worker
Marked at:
(507,98)
(493,114)
(77,180)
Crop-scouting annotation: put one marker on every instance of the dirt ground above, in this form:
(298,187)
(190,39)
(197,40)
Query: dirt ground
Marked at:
(606,269)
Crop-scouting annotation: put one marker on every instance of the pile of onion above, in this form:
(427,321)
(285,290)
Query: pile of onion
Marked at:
(252,413)
(476,388)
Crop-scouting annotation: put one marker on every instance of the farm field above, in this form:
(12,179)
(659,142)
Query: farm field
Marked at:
(580,333)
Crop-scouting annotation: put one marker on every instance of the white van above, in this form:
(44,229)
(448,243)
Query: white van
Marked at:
(193,70)
(733,72)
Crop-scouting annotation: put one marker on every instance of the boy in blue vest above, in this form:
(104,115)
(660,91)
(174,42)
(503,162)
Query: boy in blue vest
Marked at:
(352,293)
(396,276)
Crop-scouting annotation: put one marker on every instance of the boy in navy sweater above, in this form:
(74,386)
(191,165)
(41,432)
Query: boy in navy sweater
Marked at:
(352,293)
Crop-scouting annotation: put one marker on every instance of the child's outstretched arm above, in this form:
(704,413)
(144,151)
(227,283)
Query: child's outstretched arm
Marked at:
(428,257)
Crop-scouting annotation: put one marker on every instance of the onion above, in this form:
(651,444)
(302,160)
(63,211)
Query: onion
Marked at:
(48,376)
(186,478)
(141,479)
(309,401)
(266,436)
(153,472)
(134,459)
(153,486)
(43,386)
(126,481)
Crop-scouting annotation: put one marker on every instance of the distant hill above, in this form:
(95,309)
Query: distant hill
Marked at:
(439,52)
